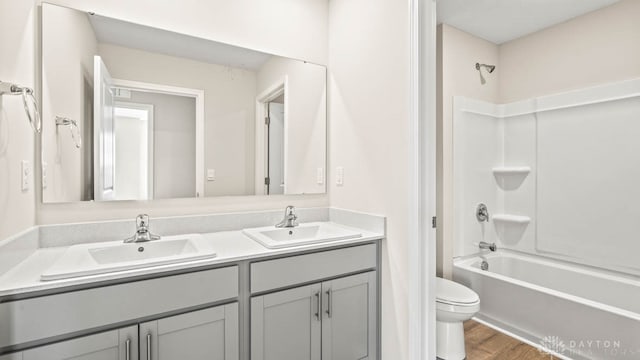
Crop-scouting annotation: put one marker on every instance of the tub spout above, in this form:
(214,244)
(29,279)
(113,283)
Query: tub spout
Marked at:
(486,245)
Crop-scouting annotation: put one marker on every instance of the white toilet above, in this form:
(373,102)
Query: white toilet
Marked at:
(455,303)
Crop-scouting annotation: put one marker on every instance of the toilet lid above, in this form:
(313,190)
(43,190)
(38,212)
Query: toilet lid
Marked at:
(448,291)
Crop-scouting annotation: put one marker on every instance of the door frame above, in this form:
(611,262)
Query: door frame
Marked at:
(150,138)
(198,95)
(422,189)
(102,84)
(276,89)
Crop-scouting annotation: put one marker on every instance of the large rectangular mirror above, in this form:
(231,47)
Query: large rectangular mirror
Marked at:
(132,112)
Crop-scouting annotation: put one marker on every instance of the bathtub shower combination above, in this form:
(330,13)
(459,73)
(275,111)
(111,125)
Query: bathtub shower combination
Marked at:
(572,310)
(559,175)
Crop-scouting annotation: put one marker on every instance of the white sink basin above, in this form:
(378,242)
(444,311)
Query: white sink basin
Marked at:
(304,234)
(105,257)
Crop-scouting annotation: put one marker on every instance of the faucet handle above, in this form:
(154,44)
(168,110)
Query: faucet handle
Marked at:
(289,210)
(142,222)
(482,213)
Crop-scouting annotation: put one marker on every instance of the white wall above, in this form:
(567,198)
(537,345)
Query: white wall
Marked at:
(369,137)
(68,46)
(17,64)
(596,48)
(305,124)
(458,52)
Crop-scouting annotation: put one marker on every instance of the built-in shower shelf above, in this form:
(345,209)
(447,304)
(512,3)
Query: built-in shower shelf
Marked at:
(511,219)
(511,170)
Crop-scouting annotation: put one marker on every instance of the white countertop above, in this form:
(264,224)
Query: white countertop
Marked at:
(231,246)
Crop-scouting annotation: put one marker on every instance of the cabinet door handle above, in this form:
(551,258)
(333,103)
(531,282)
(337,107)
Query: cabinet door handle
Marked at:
(329,293)
(148,346)
(127,346)
(317,314)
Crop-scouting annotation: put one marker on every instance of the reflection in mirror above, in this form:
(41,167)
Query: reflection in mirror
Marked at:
(165,115)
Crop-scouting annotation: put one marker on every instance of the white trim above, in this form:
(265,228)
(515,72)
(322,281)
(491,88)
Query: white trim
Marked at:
(135,109)
(276,89)
(198,95)
(422,183)
(614,91)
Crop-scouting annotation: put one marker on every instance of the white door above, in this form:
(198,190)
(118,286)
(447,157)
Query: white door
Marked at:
(285,325)
(276,148)
(210,334)
(349,330)
(133,129)
(103,138)
(121,344)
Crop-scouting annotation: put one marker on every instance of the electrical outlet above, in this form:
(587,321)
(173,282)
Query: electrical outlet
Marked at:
(44,175)
(320,176)
(339,176)
(26,172)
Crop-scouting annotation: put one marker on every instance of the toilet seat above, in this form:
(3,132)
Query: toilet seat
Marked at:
(452,293)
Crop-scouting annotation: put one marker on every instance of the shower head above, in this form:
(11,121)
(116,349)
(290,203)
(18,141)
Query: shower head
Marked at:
(490,69)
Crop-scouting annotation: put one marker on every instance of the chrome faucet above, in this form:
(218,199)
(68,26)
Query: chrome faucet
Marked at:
(486,245)
(290,219)
(142,231)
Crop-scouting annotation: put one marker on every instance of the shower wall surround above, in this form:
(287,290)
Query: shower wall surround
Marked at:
(558,173)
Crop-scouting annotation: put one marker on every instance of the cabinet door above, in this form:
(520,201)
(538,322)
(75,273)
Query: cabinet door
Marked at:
(285,325)
(210,334)
(121,344)
(349,323)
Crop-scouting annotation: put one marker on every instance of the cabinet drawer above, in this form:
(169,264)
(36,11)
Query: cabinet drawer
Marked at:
(14,356)
(44,317)
(280,273)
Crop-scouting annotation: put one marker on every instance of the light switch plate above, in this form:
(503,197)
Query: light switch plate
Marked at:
(339,176)
(211,174)
(320,176)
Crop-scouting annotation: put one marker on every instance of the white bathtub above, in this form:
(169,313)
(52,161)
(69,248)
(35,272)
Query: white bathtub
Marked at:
(576,311)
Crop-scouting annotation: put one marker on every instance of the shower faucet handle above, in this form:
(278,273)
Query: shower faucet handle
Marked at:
(482,213)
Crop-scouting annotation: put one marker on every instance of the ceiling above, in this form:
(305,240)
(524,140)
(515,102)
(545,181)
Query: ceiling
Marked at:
(501,21)
(118,32)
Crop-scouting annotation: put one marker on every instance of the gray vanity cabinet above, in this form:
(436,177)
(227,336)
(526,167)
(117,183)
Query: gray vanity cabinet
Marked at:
(332,320)
(286,325)
(349,321)
(119,344)
(210,334)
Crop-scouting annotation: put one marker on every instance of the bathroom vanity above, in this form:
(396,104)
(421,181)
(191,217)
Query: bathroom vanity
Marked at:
(317,301)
